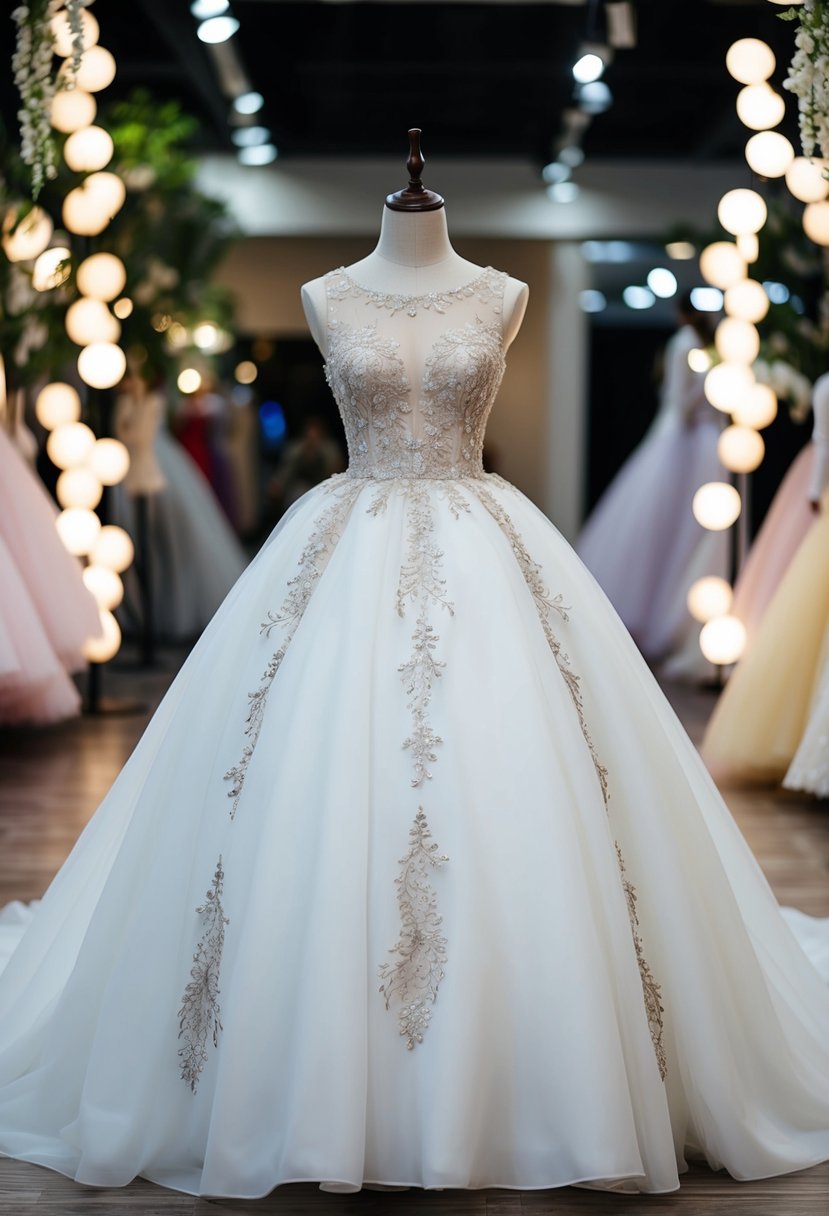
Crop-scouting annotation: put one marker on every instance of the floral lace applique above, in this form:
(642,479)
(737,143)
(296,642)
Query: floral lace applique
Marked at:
(486,287)
(412,981)
(200,1015)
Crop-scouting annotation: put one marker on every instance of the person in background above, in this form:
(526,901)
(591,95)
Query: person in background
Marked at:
(305,462)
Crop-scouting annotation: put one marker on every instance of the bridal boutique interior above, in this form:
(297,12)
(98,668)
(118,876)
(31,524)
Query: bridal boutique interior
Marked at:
(260,266)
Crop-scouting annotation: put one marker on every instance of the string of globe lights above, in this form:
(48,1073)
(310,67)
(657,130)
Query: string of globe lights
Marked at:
(731,384)
(87,463)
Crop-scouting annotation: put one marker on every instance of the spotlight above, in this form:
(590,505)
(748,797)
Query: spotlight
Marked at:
(248,103)
(563,192)
(247,137)
(259,154)
(595,97)
(555,172)
(638,297)
(203,9)
(217,29)
(588,68)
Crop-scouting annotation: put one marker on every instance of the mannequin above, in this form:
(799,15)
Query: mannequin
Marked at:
(413,257)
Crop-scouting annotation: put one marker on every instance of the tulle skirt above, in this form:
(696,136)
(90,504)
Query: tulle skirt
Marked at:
(642,541)
(414,879)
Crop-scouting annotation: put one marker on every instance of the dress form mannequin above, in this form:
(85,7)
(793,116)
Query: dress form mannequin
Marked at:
(413,257)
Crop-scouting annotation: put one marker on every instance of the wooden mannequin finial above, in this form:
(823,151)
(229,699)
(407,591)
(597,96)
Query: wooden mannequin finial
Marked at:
(415,197)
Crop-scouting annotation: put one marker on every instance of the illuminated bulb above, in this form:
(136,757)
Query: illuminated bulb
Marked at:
(248,103)
(815,223)
(189,380)
(750,61)
(758,409)
(723,640)
(749,246)
(51,269)
(740,449)
(108,189)
(105,585)
(89,149)
(716,505)
(30,237)
(747,301)
(113,549)
(102,365)
(71,110)
(78,528)
(56,405)
(722,264)
(805,180)
(70,445)
(737,341)
(588,68)
(109,460)
(699,360)
(727,385)
(202,9)
(105,647)
(79,488)
(681,251)
(123,308)
(96,71)
(101,276)
(769,153)
(205,335)
(662,283)
(217,29)
(90,321)
(742,211)
(759,107)
(709,597)
(64,43)
(246,372)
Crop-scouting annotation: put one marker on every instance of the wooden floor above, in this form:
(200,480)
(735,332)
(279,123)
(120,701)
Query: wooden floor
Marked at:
(52,780)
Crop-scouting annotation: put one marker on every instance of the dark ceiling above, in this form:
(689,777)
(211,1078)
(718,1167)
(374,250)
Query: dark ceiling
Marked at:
(480,79)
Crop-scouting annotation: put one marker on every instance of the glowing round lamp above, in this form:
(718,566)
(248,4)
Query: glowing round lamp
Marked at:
(737,341)
(101,276)
(83,214)
(78,529)
(758,408)
(768,153)
(123,308)
(749,246)
(709,597)
(815,223)
(64,42)
(108,189)
(51,269)
(747,301)
(742,211)
(105,647)
(102,365)
(113,549)
(189,380)
(105,585)
(740,449)
(716,505)
(750,60)
(699,360)
(96,71)
(723,640)
(56,405)
(70,445)
(89,149)
(71,110)
(109,461)
(727,384)
(30,237)
(79,488)
(246,372)
(722,264)
(806,181)
(759,107)
(206,335)
(90,321)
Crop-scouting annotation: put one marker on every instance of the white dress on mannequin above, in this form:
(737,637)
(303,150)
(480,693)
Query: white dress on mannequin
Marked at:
(414,878)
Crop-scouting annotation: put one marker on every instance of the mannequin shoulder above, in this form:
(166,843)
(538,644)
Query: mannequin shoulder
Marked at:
(315,304)
(516,297)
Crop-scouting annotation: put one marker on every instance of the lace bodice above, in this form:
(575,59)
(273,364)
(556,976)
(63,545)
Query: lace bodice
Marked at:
(415,377)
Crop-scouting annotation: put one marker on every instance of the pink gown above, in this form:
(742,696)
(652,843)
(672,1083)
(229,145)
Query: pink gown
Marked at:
(46,612)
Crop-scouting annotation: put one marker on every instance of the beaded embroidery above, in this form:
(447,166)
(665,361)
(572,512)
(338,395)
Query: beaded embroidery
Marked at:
(200,1015)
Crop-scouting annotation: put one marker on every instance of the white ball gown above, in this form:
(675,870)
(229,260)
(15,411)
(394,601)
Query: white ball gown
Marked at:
(414,878)
(642,541)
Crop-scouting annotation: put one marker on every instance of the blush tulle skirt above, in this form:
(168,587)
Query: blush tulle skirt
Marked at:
(414,879)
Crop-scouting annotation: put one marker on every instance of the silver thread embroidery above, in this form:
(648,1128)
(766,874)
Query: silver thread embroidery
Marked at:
(545,605)
(315,557)
(486,287)
(419,674)
(200,1015)
(412,981)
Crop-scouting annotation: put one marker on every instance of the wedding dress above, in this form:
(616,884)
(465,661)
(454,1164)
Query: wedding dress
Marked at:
(414,878)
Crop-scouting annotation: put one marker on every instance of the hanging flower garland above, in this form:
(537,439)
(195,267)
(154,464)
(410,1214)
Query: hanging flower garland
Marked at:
(808,76)
(36,80)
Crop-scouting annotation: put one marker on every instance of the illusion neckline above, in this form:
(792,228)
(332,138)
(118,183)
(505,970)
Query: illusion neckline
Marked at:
(416,299)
